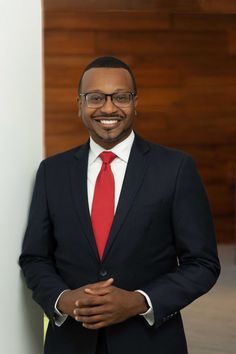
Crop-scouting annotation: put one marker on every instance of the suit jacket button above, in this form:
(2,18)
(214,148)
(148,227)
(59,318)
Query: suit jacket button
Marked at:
(103,272)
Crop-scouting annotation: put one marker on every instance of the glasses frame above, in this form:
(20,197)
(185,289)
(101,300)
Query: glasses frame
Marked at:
(133,94)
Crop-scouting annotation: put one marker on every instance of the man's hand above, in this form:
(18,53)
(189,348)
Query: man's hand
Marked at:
(107,305)
(67,300)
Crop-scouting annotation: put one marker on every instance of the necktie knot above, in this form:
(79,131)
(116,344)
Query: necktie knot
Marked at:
(107,157)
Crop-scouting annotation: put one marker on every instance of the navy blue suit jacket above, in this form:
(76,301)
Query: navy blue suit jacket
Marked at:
(162,241)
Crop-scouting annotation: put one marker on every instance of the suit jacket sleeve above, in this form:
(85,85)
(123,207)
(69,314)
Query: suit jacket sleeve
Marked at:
(195,245)
(36,259)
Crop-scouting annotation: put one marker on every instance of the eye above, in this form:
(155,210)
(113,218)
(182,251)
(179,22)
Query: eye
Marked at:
(95,97)
(122,97)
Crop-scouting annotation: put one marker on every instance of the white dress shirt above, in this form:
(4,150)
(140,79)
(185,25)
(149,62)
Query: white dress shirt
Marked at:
(118,167)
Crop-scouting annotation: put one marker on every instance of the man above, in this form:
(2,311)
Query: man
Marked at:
(120,236)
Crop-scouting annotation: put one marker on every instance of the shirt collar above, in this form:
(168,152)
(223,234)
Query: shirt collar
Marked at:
(122,150)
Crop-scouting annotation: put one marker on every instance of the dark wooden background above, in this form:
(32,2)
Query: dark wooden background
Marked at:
(183,54)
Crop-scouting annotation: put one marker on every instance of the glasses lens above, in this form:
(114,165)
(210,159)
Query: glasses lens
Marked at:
(95,99)
(98,99)
(122,99)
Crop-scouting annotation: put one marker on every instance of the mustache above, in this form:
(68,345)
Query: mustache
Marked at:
(112,115)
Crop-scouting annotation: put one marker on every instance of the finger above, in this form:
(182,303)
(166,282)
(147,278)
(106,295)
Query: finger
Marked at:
(92,319)
(90,311)
(98,291)
(107,282)
(95,325)
(101,284)
(89,301)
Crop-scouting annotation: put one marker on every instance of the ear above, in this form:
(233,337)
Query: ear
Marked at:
(79,103)
(135,104)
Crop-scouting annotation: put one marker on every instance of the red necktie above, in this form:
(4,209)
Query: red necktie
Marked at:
(102,212)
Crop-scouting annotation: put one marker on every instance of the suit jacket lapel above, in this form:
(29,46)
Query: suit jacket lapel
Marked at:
(133,179)
(78,173)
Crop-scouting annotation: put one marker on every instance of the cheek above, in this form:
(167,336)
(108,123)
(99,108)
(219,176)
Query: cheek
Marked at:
(130,116)
(85,117)
(86,122)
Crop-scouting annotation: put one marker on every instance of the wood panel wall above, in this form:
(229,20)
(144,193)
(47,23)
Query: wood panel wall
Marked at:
(183,54)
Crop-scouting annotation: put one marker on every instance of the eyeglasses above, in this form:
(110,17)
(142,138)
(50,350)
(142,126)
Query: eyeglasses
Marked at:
(98,99)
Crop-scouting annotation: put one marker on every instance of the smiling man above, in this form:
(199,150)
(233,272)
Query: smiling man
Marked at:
(120,236)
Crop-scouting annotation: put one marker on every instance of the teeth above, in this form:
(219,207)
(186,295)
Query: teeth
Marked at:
(112,121)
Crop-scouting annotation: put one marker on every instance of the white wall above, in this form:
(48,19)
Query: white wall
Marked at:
(21,150)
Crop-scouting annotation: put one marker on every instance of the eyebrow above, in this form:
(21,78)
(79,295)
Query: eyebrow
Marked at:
(117,90)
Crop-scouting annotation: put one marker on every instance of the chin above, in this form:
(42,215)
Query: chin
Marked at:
(111,137)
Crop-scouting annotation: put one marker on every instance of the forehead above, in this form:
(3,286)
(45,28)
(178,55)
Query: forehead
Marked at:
(106,80)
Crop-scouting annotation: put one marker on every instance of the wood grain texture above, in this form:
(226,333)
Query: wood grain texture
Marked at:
(215,6)
(161,43)
(124,21)
(124,5)
(183,57)
(69,42)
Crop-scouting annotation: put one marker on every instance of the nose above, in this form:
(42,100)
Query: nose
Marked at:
(109,106)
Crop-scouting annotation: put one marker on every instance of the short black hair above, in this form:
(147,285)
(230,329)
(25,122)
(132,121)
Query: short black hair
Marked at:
(107,62)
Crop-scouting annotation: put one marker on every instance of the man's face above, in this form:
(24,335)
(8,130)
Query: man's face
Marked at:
(110,124)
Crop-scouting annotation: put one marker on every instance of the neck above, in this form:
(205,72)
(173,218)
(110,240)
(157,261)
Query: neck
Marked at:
(108,145)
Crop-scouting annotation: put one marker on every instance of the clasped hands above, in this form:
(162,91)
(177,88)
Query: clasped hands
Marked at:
(101,304)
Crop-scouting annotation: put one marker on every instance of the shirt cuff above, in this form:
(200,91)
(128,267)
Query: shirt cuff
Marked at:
(59,317)
(149,314)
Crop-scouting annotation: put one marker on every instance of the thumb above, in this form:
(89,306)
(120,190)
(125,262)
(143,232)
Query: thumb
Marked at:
(106,283)
(101,284)
(99,288)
